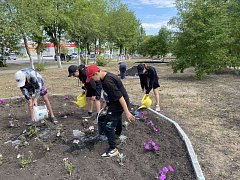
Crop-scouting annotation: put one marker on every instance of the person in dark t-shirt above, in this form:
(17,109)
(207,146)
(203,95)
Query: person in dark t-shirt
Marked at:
(122,69)
(149,80)
(93,89)
(118,103)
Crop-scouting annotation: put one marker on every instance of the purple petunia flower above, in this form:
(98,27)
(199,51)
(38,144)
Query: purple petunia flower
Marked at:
(162,177)
(152,142)
(171,169)
(146,146)
(65,97)
(2,101)
(164,170)
(155,147)
(150,123)
(155,129)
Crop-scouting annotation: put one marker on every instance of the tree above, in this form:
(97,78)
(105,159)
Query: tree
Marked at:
(56,21)
(19,14)
(87,17)
(202,40)
(164,39)
(122,25)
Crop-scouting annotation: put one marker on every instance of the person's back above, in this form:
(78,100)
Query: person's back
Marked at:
(122,69)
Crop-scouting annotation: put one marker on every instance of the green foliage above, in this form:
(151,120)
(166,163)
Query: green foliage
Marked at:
(203,40)
(101,61)
(32,131)
(3,62)
(40,66)
(25,161)
(1,160)
(158,45)
(68,166)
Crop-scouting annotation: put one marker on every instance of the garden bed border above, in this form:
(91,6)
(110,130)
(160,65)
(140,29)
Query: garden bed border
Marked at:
(183,135)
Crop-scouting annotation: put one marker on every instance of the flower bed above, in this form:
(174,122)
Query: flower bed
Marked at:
(151,149)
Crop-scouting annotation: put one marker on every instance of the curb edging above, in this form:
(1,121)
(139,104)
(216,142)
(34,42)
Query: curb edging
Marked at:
(193,156)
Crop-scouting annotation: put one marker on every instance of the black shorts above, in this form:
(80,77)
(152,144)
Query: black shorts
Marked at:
(90,91)
(155,83)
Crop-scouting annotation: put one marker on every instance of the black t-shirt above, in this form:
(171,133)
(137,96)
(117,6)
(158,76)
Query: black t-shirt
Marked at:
(114,88)
(92,85)
(147,79)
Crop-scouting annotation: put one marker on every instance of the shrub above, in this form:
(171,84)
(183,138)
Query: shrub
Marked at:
(40,66)
(101,61)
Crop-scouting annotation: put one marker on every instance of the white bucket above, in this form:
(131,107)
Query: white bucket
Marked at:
(40,113)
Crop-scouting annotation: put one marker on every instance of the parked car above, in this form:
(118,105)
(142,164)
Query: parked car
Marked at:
(74,56)
(11,56)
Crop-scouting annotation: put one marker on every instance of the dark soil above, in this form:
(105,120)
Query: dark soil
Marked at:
(132,71)
(86,156)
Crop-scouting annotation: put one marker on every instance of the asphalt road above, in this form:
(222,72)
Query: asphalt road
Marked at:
(26,60)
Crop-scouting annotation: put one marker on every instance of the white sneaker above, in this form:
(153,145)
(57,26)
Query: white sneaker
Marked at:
(157,108)
(111,153)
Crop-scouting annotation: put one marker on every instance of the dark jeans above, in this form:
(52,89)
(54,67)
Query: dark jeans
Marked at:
(112,126)
(122,75)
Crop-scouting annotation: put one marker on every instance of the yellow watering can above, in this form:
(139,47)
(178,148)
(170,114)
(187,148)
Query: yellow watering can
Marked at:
(81,100)
(146,102)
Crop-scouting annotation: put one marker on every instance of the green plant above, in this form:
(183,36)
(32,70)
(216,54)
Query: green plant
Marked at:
(59,130)
(31,131)
(101,61)
(40,66)
(121,156)
(1,160)
(45,145)
(68,166)
(24,162)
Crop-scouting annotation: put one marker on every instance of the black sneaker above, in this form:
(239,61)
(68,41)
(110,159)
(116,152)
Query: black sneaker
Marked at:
(53,120)
(110,153)
(88,116)
(29,123)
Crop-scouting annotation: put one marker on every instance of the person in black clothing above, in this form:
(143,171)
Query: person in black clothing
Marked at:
(122,69)
(118,103)
(93,89)
(149,80)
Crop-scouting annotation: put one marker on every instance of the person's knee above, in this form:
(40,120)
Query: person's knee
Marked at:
(30,103)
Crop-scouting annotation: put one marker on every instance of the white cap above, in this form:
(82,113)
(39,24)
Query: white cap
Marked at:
(20,78)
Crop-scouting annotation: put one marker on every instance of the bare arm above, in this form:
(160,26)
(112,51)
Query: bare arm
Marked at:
(123,103)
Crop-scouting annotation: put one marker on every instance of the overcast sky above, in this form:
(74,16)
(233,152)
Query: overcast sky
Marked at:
(152,13)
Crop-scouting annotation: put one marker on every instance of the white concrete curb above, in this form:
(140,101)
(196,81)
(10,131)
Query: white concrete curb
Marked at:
(193,157)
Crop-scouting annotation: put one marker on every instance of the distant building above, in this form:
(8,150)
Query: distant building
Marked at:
(49,50)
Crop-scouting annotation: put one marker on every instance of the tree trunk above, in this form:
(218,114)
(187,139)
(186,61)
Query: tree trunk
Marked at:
(110,57)
(79,57)
(27,49)
(57,49)
(86,56)
(38,49)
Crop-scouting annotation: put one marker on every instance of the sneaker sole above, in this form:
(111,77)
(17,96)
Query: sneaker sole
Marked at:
(112,155)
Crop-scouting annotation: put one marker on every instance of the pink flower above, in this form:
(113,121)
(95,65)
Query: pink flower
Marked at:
(171,169)
(146,146)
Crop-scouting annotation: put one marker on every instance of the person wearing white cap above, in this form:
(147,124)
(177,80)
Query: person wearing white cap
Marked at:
(32,86)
